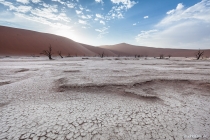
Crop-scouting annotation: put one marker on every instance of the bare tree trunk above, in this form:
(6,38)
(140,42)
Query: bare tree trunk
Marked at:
(161,56)
(68,55)
(101,55)
(199,54)
(48,52)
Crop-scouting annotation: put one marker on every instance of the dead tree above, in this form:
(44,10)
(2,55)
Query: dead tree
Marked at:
(199,54)
(161,56)
(101,55)
(69,55)
(59,53)
(48,52)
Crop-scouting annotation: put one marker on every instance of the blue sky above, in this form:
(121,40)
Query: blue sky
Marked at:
(154,23)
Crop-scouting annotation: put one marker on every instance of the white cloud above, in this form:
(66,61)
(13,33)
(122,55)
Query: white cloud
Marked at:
(45,5)
(82,22)
(102,22)
(43,21)
(102,31)
(134,24)
(89,16)
(145,34)
(127,3)
(23,1)
(99,1)
(181,28)
(36,1)
(81,8)
(179,7)
(22,8)
(50,13)
(115,12)
(5,3)
(67,3)
(99,16)
(170,12)
(61,2)
(146,17)
(199,11)
(120,7)
(70,5)
(78,12)
(86,16)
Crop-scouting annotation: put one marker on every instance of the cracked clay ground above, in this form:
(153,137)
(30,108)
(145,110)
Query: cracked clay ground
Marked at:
(109,99)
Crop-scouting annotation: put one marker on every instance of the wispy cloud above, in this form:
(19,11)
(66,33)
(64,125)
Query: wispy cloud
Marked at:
(115,12)
(99,16)
(70,5)
(144,35)
(126,3)
(145,17)
(36,1)
(86,16)
(102,31)
(102,22)
(179,7)
(119,8)
(23,1)
(66,3)
(21,8)
(43,21)
(99,1)
(61,2)
(181,27)
(82,21)
(78,12)
(50,13)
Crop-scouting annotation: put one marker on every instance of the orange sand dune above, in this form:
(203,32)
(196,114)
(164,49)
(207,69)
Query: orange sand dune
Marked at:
(24,42)
(132,50)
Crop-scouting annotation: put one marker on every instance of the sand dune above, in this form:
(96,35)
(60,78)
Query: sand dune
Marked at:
(24,42)
(152,52)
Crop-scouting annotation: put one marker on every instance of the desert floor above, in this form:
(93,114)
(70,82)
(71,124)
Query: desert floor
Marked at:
(109,98)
